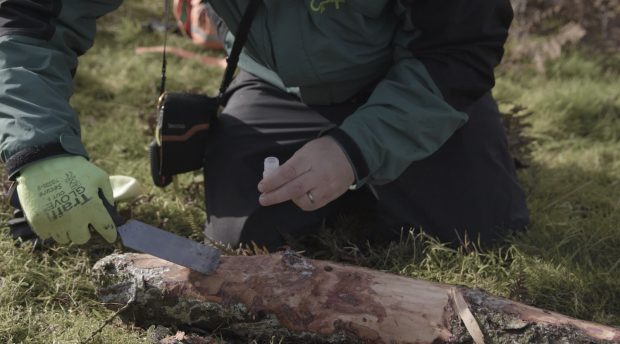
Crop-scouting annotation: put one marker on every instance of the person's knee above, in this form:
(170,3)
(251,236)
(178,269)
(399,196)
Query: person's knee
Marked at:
(269,227)
(225,230)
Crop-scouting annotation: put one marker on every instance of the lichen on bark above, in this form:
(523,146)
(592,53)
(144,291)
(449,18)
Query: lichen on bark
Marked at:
(150,304)
(502,326)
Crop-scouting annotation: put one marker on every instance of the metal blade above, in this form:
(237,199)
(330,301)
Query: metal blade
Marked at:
(171,247)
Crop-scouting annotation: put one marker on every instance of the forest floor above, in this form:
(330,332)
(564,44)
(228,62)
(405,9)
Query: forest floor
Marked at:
(568,261)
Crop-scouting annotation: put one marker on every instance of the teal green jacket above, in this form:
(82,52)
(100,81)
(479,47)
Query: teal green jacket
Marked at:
(424,60)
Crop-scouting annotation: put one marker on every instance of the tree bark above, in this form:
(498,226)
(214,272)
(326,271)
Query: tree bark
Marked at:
(298,300)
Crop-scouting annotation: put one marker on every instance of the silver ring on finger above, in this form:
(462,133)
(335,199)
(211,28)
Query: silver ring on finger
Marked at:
(310,197)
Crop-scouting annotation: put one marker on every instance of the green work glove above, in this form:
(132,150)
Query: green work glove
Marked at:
(60,198)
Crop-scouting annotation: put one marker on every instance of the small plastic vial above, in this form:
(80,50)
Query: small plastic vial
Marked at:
(270,164)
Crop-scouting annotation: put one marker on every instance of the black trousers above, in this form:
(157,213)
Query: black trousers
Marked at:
(468,185)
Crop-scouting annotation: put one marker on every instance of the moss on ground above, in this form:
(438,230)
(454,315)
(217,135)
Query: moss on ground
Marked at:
(568,261)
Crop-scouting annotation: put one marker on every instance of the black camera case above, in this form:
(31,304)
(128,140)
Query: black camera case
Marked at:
(183,124)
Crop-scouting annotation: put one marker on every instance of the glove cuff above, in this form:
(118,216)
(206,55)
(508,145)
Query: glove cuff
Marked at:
(30,155)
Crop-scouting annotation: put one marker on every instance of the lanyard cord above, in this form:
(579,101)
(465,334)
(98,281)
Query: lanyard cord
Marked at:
(164,62)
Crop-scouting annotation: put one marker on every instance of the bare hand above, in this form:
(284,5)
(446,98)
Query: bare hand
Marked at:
(318,173)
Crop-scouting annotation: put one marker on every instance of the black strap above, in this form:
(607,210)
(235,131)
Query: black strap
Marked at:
(233,59)
(240,38)
(164,61)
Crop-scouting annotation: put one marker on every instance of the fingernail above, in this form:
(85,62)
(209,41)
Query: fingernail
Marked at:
(260,187)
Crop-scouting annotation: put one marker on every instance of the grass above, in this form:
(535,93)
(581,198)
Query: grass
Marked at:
(568,261)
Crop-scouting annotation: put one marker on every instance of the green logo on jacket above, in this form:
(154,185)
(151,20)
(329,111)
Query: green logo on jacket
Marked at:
(321,5)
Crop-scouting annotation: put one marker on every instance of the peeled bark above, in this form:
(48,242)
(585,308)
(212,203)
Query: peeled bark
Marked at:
(300,300)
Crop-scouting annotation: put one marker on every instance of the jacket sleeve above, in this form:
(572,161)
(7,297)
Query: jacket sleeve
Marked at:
(444,56)
(40,41)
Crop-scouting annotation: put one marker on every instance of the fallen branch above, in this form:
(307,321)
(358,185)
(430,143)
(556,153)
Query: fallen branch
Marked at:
(185,54)
(308,301)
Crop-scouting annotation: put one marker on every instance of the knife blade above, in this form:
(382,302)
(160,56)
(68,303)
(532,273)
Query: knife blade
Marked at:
(168,246)
(145,238)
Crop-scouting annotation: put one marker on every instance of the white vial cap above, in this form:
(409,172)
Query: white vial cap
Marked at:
(270,164)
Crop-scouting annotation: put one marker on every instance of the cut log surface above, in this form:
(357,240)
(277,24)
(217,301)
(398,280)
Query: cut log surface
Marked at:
(299,300)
